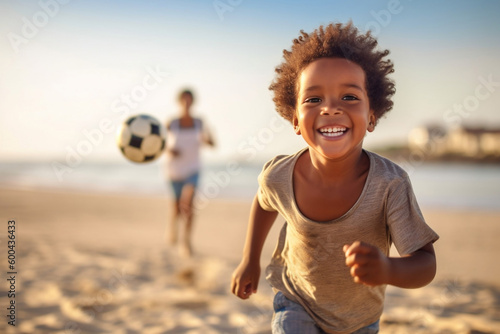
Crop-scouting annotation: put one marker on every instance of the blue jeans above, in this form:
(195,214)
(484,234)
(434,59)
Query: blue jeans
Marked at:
(291,318)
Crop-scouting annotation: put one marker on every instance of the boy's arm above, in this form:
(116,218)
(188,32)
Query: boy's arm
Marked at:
(245,278)
(371,267)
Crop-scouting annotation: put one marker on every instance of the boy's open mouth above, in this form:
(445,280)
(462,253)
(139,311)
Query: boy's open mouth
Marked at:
(332,131)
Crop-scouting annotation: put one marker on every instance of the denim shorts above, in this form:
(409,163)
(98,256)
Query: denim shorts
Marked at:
(291,318)
(177,185)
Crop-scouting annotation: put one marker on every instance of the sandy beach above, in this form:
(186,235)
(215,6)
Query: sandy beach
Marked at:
(95,263)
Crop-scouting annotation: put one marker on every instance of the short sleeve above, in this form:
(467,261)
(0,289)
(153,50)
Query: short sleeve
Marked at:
(264,191)
(408,229)
(275,183)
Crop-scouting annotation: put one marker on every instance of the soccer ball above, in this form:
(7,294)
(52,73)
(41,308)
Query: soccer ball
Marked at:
(141,138)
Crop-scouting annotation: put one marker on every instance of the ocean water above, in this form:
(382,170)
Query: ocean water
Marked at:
(238,181)
(436,185)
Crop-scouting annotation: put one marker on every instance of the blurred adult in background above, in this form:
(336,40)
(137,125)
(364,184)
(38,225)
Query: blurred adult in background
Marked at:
(185,137)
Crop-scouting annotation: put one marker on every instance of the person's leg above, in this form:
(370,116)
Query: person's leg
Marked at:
(291,318)
(186,206)
(175,212)
(174,222)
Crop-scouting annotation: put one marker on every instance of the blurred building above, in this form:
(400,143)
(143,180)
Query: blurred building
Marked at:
(466,141)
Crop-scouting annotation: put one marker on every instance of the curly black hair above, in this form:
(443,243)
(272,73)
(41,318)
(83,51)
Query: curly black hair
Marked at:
(334,41)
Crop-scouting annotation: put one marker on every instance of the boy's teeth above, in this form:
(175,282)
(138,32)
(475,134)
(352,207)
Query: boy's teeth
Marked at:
(332,132)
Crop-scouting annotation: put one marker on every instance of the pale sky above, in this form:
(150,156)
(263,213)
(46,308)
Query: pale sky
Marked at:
(68,67)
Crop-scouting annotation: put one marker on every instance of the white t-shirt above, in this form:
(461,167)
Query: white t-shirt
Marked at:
(187,142)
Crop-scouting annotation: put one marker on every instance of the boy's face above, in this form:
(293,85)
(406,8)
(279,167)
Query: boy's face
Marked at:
(333,110)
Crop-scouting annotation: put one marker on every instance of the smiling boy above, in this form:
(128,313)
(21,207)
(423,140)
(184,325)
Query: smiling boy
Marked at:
(344,206)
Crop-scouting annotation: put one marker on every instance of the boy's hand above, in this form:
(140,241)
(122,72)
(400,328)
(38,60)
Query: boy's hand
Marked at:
(368,264)
(245,280)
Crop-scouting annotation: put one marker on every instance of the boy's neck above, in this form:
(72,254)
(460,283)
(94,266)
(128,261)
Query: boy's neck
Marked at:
(333,171)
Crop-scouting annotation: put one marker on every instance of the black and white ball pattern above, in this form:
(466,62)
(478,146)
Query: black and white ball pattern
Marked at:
(141,138)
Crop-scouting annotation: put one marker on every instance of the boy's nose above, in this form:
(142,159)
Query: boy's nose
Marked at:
(332,109)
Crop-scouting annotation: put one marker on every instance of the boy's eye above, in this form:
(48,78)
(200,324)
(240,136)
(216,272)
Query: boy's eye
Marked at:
(313,100)
(350,98)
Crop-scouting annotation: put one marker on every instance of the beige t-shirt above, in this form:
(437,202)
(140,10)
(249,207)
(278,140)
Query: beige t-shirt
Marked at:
(308,265)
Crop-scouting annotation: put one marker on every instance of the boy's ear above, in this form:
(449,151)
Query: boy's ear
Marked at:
(295,123)
(371,121)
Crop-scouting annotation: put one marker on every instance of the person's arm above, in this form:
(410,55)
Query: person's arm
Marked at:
(170,150)
(207,136)
(208,139)
(371,267)
(245,279)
